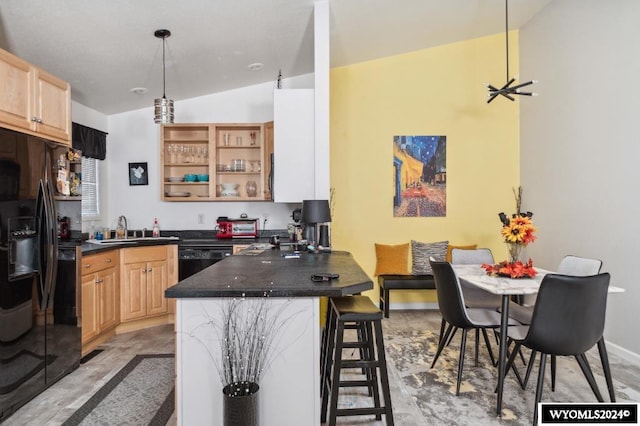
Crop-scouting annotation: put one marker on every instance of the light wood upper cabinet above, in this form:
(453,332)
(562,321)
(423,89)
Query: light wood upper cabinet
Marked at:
(53,107)
(268,160)
(16,82)
(228,161)
(34,101)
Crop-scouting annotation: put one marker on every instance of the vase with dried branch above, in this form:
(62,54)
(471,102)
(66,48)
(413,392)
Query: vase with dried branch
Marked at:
(247,329)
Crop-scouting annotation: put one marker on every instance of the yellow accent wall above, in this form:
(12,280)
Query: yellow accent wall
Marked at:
(437,91)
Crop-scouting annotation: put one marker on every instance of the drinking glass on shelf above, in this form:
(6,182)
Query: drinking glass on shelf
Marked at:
(175,154)
(169,153)
(239,141)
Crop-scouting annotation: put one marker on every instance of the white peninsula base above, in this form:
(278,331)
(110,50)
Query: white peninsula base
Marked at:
(289,388)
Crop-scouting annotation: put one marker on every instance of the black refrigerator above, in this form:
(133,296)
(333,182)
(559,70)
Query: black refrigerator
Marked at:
(37,348)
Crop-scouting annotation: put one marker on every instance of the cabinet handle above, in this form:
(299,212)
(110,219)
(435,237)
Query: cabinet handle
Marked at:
(87,265)
(98,281)
(40,120)
(144,271)
(108,260)
(149,270)
(34,119)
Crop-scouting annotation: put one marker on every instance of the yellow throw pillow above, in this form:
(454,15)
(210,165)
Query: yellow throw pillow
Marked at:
(450,249)
(392,260)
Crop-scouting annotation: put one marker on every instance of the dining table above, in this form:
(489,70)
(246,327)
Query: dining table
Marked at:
(507,288)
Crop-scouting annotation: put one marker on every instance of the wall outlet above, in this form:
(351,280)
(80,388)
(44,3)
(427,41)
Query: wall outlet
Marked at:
(200,218)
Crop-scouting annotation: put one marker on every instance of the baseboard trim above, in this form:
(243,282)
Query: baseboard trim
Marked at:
(623,353)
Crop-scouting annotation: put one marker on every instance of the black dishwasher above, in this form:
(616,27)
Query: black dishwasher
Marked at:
(193,257)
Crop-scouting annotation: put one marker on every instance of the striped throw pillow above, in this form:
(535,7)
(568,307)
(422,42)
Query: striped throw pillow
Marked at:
(421,252)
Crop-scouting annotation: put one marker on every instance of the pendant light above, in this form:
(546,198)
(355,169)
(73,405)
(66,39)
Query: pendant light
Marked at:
(163,107)
(508,91)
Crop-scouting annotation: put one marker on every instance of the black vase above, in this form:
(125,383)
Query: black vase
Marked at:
(241,404)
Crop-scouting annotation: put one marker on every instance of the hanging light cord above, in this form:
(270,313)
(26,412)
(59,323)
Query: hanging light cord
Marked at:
(506,35)
(164,39)
(507,90)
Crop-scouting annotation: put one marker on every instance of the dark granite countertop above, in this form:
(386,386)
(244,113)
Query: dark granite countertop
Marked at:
(253,275)
(185,239)
(90,248)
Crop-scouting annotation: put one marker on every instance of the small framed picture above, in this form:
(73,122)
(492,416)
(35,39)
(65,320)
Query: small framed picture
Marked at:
(138,174)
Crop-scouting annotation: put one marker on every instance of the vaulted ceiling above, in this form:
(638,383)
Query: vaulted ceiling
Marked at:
(106,48)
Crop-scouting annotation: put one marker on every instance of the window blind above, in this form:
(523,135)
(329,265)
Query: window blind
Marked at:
(90,205)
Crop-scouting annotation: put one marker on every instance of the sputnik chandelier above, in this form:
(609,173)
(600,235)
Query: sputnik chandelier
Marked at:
(508,91)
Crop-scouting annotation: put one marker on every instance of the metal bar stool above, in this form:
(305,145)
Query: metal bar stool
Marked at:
(361,314)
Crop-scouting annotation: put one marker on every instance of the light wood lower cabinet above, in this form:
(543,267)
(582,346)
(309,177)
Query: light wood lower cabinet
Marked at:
(100,294)
(146,274)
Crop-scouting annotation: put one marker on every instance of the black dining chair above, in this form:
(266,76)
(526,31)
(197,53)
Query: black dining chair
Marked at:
(475,297)
(452,307)
(561,328)
(574,266)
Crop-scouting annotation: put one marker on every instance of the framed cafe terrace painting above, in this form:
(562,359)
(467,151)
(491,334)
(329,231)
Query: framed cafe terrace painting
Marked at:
(420,176)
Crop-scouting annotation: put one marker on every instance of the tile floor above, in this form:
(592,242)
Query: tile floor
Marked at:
(56,404)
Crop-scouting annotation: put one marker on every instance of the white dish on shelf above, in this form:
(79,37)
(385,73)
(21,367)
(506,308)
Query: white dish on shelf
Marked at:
(175,179)
(230,186)
(177,194)
(229,193)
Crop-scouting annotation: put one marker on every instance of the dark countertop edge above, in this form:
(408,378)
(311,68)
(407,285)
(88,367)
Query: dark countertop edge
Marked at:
(89,248)
(318,290)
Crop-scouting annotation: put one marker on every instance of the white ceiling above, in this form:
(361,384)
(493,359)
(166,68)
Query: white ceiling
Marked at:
(104,48)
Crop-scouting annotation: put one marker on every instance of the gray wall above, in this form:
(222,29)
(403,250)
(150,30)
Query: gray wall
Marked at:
(580,144)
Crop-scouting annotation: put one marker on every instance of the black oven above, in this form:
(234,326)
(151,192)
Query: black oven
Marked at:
(193,257)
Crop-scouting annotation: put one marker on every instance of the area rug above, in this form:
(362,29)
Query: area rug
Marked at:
(141,393)
(411,351)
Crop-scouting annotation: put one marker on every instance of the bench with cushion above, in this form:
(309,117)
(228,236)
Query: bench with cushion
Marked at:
(392,267)
(401,282)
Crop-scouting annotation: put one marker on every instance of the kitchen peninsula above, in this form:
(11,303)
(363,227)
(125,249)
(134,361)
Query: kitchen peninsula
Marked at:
(290,387)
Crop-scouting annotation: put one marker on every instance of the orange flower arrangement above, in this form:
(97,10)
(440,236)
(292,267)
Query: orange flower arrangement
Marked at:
(519,229)
(511,269)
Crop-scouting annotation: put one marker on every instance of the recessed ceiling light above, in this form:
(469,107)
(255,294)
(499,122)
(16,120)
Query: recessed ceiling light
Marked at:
(138,90)
(255,66)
